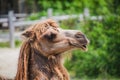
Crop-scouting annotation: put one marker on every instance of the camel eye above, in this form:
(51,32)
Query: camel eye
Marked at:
(50,37)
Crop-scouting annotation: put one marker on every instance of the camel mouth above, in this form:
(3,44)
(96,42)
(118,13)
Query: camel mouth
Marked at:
(79,46)
(84,47)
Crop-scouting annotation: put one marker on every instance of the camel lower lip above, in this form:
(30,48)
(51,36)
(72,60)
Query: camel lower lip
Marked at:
(83,47)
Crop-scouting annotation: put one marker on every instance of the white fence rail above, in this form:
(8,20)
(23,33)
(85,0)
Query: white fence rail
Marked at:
(11,23)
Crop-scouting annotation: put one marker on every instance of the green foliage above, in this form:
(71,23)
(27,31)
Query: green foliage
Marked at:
(33,16)
(97,7)
(18,43)
(102,58)
(69,24)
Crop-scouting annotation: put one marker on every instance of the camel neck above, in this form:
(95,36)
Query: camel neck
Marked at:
(39,58)
(42,64)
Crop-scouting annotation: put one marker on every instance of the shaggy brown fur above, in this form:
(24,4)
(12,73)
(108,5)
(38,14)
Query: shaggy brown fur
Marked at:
(40,55)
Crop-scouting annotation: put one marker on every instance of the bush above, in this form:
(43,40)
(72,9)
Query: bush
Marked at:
(102,58)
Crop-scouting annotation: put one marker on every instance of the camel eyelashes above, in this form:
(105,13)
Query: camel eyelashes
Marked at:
(50,37)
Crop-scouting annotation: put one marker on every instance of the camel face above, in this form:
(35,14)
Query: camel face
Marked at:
(50,39)
(77,39)
(59,40)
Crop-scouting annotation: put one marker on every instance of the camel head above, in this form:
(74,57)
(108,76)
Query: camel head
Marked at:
(50,39)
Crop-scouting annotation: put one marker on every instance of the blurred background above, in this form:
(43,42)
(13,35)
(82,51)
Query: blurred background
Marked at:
(98,19)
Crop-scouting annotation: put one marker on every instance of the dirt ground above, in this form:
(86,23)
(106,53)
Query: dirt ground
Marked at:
(8,62)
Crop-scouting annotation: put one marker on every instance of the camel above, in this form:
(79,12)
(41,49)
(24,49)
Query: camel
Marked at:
(41,52)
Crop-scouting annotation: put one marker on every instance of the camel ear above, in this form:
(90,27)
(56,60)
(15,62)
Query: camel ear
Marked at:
(28,34)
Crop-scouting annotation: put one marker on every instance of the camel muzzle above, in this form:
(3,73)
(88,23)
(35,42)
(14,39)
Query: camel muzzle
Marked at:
(82,41)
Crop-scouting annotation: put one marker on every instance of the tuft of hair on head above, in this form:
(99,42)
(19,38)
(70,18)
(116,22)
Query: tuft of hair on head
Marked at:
(52,22)
(30,33)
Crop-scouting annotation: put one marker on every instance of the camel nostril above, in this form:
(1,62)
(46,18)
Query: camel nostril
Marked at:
(79,36)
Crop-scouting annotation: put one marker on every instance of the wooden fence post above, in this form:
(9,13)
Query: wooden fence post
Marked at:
(86,12)
(11,29)
(49,12)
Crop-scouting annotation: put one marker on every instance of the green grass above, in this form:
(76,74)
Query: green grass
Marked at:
(86,78)
(7,45)
(4,44)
